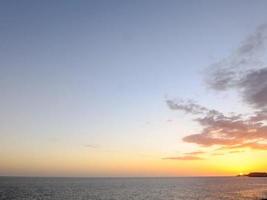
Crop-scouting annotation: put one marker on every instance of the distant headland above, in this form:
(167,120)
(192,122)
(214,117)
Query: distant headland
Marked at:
(255,174)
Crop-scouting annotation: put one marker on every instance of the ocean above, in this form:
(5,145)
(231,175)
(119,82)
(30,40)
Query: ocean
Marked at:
(189,188)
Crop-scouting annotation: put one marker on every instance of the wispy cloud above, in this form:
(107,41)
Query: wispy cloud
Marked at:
(183,158)
(195,153)
(217,154)
(186,106)
(91,146)
(236,151)
(245,71)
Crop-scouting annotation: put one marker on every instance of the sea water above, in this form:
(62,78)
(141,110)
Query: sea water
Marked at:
(182,188)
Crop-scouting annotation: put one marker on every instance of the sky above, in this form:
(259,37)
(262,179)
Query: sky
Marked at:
(133,88)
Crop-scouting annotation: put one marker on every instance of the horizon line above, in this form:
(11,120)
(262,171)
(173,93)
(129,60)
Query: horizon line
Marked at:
(208,176)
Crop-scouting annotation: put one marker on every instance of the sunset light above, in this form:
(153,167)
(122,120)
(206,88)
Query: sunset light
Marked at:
(133,100)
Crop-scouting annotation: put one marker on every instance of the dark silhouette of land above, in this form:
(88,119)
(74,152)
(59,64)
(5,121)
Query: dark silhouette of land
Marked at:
(255,174)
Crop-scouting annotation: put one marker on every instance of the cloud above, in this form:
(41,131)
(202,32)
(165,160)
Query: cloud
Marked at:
(252,145)
(183,158)
(219,129)
(187,106)
(217,154)
(244,70)
(91,146)
(195,153)
(254,87)
(235,151)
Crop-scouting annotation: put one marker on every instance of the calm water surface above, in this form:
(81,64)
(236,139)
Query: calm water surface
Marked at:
(215,188)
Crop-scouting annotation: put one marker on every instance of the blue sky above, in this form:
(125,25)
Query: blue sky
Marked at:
(98,73)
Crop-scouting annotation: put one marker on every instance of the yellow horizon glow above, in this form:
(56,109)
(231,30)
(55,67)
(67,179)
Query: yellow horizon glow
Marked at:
(129,164)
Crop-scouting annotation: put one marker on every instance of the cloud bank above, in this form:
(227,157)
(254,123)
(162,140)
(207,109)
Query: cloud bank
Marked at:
(245,72)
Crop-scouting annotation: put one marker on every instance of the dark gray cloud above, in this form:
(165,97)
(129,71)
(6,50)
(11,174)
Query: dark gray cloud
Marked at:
(254,44)
(244,70)
(254,88)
